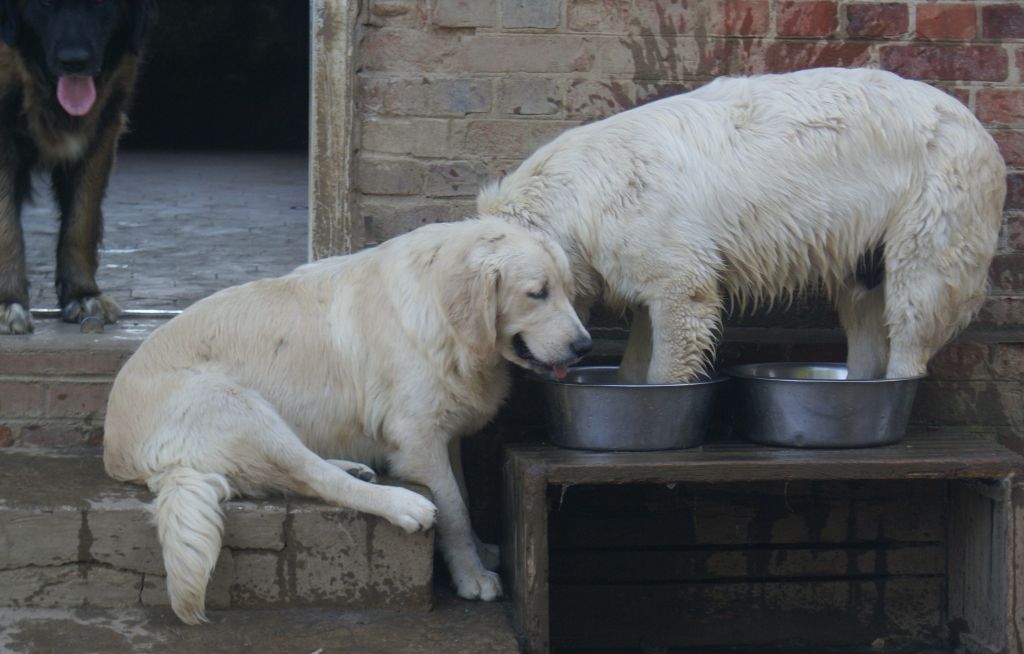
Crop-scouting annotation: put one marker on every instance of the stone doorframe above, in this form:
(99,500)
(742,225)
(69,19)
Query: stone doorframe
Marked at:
(332,228)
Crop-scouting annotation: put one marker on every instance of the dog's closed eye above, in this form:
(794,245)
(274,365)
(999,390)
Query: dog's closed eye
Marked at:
(542,294)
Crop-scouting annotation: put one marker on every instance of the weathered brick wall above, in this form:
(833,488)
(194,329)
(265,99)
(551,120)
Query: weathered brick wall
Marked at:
(454,92)
(54,398)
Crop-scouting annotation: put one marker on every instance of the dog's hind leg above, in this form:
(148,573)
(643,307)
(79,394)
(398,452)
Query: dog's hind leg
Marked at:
(79,188)
(360,471)
(862,314)
(424,458)
(636,360)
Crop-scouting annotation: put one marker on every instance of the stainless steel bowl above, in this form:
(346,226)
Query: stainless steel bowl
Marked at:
(591,410)
(815,405)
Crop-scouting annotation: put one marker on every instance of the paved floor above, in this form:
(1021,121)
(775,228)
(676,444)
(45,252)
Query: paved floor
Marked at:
(453,627)
(180,226)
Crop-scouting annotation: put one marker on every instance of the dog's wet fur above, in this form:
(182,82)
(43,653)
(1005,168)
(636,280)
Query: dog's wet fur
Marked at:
(67,68)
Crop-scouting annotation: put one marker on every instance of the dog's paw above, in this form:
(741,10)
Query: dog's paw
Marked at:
(15,319)
(490,555)
(357,470)
(410,511)
(91,306)
(483,585)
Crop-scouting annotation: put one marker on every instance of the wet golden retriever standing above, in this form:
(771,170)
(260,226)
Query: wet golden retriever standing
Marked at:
(291,384)
(755,188)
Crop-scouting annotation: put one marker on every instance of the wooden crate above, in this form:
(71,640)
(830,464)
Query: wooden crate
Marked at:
(917,547)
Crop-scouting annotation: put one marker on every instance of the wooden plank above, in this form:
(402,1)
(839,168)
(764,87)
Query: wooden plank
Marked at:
(982,578)
(800,614)
(525,552)
(747,565)
(775,513)
(927,456)
(333,229)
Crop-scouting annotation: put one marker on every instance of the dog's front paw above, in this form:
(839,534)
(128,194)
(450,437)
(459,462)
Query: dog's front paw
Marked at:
(410,511)
(15,319)
(480,585)
(91,306)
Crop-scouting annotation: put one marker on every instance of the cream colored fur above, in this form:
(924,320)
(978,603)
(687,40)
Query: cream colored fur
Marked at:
(756,188)
(384,357)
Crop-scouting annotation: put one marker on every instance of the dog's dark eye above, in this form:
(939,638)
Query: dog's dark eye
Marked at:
(542,294)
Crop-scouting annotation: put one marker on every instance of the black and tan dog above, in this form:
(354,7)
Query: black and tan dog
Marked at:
(67,68)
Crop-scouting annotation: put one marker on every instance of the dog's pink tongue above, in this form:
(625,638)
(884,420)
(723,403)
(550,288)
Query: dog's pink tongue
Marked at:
(560,372)
(76,94)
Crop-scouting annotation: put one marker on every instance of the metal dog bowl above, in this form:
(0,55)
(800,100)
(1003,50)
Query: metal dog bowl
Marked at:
(591,410)
(815,405)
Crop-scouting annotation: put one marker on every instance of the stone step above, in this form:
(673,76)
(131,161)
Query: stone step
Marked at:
(453,627)
(70,537)
(54,383)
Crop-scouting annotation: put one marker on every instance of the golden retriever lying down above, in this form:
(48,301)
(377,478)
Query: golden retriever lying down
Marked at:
(283,384)
(759,187)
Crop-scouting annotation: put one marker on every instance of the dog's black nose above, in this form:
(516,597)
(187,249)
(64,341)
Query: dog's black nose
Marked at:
(72,59)
(582,345)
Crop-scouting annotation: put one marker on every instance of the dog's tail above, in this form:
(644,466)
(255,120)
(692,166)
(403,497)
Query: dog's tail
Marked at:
(189,522)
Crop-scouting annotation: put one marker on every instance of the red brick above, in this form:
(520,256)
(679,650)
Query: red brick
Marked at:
(21,399)
(1014,192)
(597,99)
(987,63)
(952,21)
(77,399)
(786,56)
(6,436)
(868,20)
(1015,231)
(810,18)
(56,436)
(968,403)
(1007,272)
(1004,21)
(1002,311)
(1011,145)
(103,362)
(743,18)
(1003,107)
(960,361)
(1008,361)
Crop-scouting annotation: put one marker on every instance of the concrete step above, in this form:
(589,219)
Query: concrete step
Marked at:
(453,627)
(54,383)
(70,537)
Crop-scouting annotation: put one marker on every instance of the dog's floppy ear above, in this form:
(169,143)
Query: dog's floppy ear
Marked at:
(10,22)
(142,17)
(471,299)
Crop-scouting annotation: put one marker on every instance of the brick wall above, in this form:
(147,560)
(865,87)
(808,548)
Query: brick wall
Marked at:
(53,397)
(455,92)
